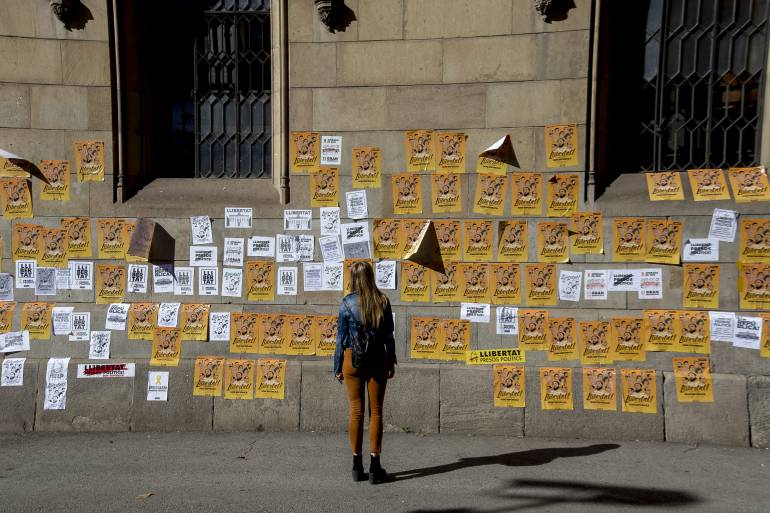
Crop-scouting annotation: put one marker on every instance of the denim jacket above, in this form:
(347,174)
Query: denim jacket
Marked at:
(347,323)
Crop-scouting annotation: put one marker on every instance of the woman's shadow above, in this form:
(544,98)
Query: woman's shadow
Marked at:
(511,459)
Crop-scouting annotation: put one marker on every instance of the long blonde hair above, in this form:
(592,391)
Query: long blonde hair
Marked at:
(372,301)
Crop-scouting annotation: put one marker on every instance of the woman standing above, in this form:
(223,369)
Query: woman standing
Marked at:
(364,359)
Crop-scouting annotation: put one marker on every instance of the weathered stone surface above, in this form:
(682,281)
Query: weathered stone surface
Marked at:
(17,18)
(14,105)
(380,19)
(86,63)
(759,410)
(312,64)
(573,100)
(33,61)
(376,63)
(18,403)
(533,103)
(527,20)
(324,400)
(490,59)
(563,54)
(99,108)
(96,29)
(60,107)
(412,399)
(300,109)
(456,18)
(349,109)
(446,106)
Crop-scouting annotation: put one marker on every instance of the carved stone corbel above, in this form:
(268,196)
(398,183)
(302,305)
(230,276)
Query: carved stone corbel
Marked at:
(334,14)
(553,10)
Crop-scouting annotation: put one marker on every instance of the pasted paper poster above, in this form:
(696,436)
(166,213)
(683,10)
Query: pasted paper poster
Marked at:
(540,285)
(663,186)
(754,286)
(346,272)
(626,339)
(426,334)
(764,348)
(54,251)
(157,386)
(556,388)
(506,283)
(299,335)
(594,342)
(509,386)
(110,239)
(325,334)
(305,152)
(562,339)
(446,193)
(506,320)
(325,187)
(89,161)
(272,333)
(12,374)
(367,168)
(142,319)
(407,193)
(451,151)
(16,198)
(239,379)
(693,380)
(6,316)
(194,321)
(412,229)
(449,235)
(495,158)
(513,243)
(561,197)
(36,319)
(446,285)
(56,384)
(415,282)
(749,184)
(754,240)
(355,201)
(587,233)
(659,330)
(639,390)
(694,334)
(701,286)
(474,282)
(478,243)
(26,274)
(244,332)
(331,150)
(724,224)
(570,283)
(110,283)
(700,250)
(27,242)
(271,379)
(629,236)
(456,340)
(599,387)
(708,184)
(200,230)
(552,242)
(207,379)
(13,165)
(166,347)
(526,194)
(491,191)
(533,330)
(238,217)
(561,145)
(79,235)
(476,312)
(219,327)
(664,241)
(388,238)
(260,280)
(419,151)
(57,180)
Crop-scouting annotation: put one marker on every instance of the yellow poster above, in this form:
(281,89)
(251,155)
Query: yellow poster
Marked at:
(639,391)
(587,233)
(701,286)
(513,243)
(89,161)
(594,342)
(533,330)
(419,151)
(194,321)
(494,356)
(509,386)
(425,338)
(325,334)
(166,347)
(325,187)
(474,283)
(562,339)
(694,334)
(526,194)
(271,379)
(412,229)
(260,280)
(27,243)
(305,152)
(626,340)
(629,239)
(478,245)
(128,231)
(272,333)
(346,272)
(447,285)
(407,193)
(111,239)
(54,253)
(79,235)
(388,238)
(693,380)
(490,165)
(207,379)
(506,283)
(415,282)
(664,186)
(754,286)
(36,318)
(764,348)
(556,388)
(491,191)
(244,332)
(708,184)
(562,195)
(14,167)
(239,379)
(749,184)
(449,235)
(450,151)
(142,319)
(16,198)
(659,329)
(110,283)
(561,145)
(299,336)
(367,168)
(552,242)
(446,193)
(599,387)
(664,241)
(456,340)
(540,285)
(755,240)
(56,186)
(6,316)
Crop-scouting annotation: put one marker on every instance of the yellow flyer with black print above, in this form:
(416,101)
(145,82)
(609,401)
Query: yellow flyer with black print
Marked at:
(54,252)
(478,243)
(27,242)
(456,340)
(509,386)
(451,152)
(305,152)
(15,198)
(561,143)
(749,184)
(474,282)
(754,286)
(6,316)
(260,280)
(556,391)
(552,242)
(526,194)
(561,196)
(513,241)
(708,184)
(754,240)
(447,285)
(79,234)
(450,236)
(562,339)
(419,150)
(425,338)
(664,241)
(406,189)
(142,319)
(110,283)
(659,329)
(626,340)
(486,164)
(270,382)
(56,186)
(110,239)
(239,379)
(299,336)
(446,193)
(594,342)
(415,282)
(325,187)
(629,236)
(694,334)
(638,390)
(36,318)
(325,334)
(693,379)
(764,348)
(244,332)
(664,186)
(194,321)
(491,191)
(367,168)
(540,285)
(506,283)
(587,233)
(412,229)
(272,333)
(533,330)
(207,379)
(89,160)
(701,286)
(599,389)
(494,356)
(166,347)
(388,238)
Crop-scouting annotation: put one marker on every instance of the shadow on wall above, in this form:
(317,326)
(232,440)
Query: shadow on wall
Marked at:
(72,13)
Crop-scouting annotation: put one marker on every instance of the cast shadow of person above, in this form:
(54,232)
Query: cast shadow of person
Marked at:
(527,458)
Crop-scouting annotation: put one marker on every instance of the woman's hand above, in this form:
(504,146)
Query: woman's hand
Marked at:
(339,377)
(390,372)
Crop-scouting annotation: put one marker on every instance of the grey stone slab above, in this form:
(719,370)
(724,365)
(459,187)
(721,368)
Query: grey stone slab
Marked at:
(86,63)
(18,403)
(412,399)
(17,18)
(324,401)
(32,61)
(14,105)
(380,19)
(305,59)
(456,18)
(439,106)
(300,109)
(563,55)
(759,410)
(728,359)
(532,103)
(490,59)
(349,109)
(62,107)
(528,20)
(398,63)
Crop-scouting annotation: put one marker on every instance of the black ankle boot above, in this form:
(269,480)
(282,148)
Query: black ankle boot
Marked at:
(358,468)
(377,474)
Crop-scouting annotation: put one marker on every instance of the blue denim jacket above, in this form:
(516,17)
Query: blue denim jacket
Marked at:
(347,323)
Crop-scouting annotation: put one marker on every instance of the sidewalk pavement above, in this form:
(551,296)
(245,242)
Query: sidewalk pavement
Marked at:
(308,472)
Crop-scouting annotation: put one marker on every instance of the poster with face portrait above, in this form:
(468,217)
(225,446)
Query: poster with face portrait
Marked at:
(526,194)
(447,285)
(561,145)
(638,390)
(426,336)
(56,186)
(664,241)
(194,321)
(513,241)
(449,235)
(626,339)
(79,236)
(562,339)
(270,382)
(244,332)
(664,186)
(708,184)
(754,286)
(491,191)
(6,316)
(36,319)
(207,378)
(15,198)
(272,333)
(419,151)
(451,152)
(764,347)
(754,240)
(27,243)
(299,335)
(556,392)
(305,152)
(406,189)
(142,319)
(367,168)
(239,379)
(533,330)
(552,242)
(693,380)
(89,161)
(506,283)
(388,238)
(594,342)
(587,233)
(562,194)
(540,285)
(324,187)
(456,340)
(659,329)
(260,280)
(475,282)
(415,282)
(694,334)
(478,240)
(749,184)
(629,237)
(110,283)
(599,387)
(110,239)
(701,286)
(446,193)
(166,347)
(325,334)
(509,386)
(54,249)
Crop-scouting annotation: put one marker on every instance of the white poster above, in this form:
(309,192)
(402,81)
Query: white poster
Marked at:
(26,272)
(232,282)
(623,280)
(297,219)
(99,347)
(106,370)
(287,281)
(475,312)
(163,278)
(14,341)
(650,284)
(201,230)
(63,279)
(507,320)
(116,316)
(748,332)
(312,276)
(385,274)
(45,281)
(6,287)
(356,202)
(722,326)
(168,315)
(219,326)
(203,256)
(237,217)
(233,255)
(56,384)
(331,249)
(286,248)
(570,283)
(724,223)
(700,250)
(332,276)
(137,278)
(331,150)
(157,386)
(305,248)
(595,284)
(183,281)
(330,221)
(61,320)
(81,275)
(208,281)
(12,374)
(355,240)
(261,247)
(81,327)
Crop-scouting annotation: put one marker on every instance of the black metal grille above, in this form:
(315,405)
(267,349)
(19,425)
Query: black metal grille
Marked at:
(233,129)
(701,91)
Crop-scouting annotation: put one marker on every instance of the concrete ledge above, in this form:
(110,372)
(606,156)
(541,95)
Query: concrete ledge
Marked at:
(412,399)
(759,410)
(723,422)
(324,401)
(18,403)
